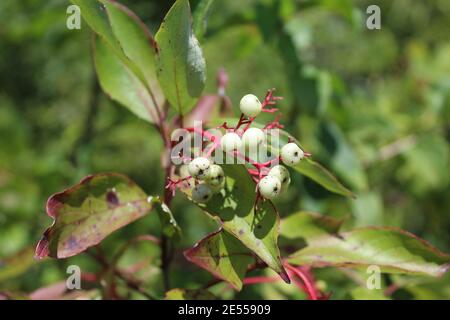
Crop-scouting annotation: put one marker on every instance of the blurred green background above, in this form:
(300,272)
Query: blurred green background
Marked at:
(371,105)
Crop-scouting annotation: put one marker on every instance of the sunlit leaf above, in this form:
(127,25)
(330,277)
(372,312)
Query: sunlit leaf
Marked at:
(362,293)
(308,225)
(180,62)
(95,15)
(137,43)
(392,250)
(322,176)
(234,210)
(124,56)
(121,84)
(222,255)
(88,212)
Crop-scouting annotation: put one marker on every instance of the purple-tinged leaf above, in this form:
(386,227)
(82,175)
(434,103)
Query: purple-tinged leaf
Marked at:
(88,212)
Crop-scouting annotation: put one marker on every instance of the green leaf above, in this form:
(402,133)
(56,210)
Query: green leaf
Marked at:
(361,293)
(129,47)
(169,226)
(308,225)
(222,255)
(201,14)
(136,41)
(88,212)
(181,66)
(187,294)
(322,176)
(121,84)
(234,210)
(393,250)
(95,15)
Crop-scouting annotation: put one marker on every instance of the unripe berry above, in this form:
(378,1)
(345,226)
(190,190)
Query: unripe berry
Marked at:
(231,141)
(269,187)
(250,105)
(201,193)
(216,176)
(252,138)
(291,154)
(183,171)
(217,188)
(199,168)
(282,173)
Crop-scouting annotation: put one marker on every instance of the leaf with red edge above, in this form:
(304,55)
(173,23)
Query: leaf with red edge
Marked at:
(391,249)
(234,210)
(222,255)
(88,212)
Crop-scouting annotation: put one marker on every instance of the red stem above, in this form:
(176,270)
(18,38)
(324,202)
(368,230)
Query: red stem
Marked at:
(309,286)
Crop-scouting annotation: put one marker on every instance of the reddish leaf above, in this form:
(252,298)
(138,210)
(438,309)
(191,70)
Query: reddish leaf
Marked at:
(88,212)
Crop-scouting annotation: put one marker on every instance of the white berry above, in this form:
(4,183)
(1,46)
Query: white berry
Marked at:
(252,138)
(231,141)
(282,173)
(199,168)
(201,193)
(250,105)
(291,154)
(269,187)
(216,176)
(216,188)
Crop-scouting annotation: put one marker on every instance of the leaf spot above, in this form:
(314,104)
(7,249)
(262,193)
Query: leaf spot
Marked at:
(112,198)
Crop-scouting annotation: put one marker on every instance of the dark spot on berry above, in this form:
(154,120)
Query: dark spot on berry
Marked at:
(200,172)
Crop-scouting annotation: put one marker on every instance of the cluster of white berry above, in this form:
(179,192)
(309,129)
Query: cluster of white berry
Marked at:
(210,177)
(252,137)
